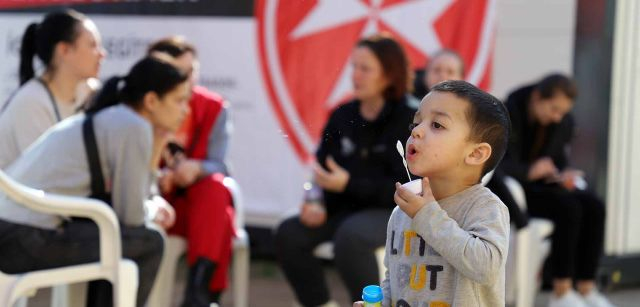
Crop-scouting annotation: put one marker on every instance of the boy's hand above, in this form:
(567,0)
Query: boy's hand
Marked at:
(358,304)
(411,203)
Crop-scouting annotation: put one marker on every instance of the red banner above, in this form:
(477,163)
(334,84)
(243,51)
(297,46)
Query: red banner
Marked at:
(305,48)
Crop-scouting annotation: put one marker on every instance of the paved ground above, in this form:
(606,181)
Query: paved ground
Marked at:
(269,289)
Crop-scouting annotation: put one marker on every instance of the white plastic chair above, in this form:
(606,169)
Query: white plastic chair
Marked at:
(122,273)
(530,247)
(162,292)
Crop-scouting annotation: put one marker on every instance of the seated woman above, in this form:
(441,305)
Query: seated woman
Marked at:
(69,45)
(357,167)
(538,157)
(112,144)
(192,182)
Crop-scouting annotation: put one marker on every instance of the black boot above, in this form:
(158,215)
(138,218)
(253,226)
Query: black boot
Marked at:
(214,296)
(197,292)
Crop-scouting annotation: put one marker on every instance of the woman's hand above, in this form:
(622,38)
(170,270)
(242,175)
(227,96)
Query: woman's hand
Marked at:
(186,172)
(165,214)
(335,180)
(541,169)
(313,215)
(165,182)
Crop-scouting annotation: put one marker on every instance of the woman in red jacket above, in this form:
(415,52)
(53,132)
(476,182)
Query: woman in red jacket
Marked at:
(192,182)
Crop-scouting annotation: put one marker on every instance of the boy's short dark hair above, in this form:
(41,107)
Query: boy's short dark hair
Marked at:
(553,84)
(487,116)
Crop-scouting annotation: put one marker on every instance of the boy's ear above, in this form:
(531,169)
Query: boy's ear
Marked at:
(479,154)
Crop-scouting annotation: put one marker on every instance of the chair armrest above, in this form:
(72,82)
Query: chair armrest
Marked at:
(68,206)
(236,195)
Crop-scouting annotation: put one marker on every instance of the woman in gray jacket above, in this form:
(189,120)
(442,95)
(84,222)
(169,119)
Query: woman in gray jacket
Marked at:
(105,154)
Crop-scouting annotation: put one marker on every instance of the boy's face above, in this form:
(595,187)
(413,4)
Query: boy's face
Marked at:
(439,139)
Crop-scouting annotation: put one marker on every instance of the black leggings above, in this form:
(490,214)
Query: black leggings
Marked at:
(26,248)
(356,237)
(579,219)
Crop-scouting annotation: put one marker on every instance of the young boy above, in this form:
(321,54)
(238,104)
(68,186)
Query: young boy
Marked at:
(448,245)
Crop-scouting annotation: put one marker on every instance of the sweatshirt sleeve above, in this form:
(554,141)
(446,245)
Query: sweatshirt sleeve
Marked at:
(386,284)
(131,174)
(328,138)
(480,249)
(217,145)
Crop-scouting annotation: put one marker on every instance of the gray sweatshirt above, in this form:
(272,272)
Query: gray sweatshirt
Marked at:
(27,116)
(57,163)
(452,253)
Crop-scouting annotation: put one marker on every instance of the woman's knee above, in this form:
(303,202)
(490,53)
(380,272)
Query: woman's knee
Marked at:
(361,231)
(210,197)
(155,242)
(592,205)
(290,233)
(209,184)
(566,209)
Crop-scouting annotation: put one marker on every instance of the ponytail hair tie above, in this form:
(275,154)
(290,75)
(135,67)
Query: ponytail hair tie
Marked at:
(122,81)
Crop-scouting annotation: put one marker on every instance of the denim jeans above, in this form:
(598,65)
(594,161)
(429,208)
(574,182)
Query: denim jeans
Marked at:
(25,248)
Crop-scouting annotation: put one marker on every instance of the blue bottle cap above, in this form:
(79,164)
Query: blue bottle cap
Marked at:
(372,294)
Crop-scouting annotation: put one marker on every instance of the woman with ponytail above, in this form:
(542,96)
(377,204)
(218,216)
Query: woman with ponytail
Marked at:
(107,154)
(191,181)
(69,46)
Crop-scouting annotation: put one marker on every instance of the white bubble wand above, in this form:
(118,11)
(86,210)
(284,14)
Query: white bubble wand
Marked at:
(400,149)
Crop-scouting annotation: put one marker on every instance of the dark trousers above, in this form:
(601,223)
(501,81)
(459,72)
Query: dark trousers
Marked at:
(356,236)
(579,219)
(24,248)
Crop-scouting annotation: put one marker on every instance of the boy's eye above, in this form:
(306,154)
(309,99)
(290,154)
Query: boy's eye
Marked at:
(437,125)
(412,126)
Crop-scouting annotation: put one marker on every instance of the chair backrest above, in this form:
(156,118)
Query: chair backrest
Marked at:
(517,192)
(486,178)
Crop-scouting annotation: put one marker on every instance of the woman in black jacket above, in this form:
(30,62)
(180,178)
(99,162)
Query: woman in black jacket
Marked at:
(357,167)
(537,156)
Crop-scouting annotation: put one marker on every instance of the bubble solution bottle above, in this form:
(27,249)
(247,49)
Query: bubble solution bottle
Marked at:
(372,296)
(312,193)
